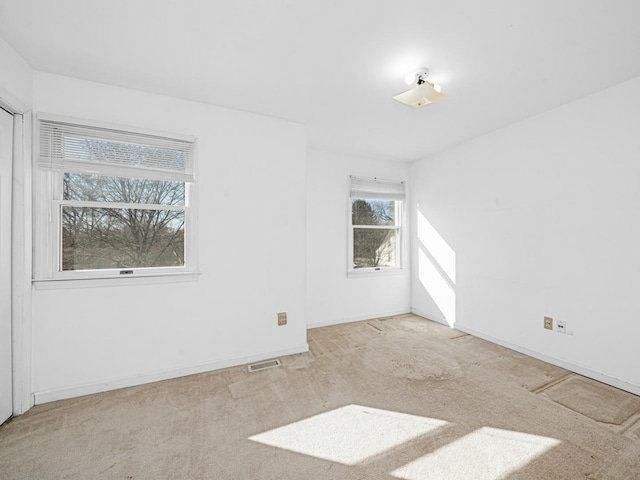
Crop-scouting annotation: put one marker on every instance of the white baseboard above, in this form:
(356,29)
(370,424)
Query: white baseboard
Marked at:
(117,383)
(338,321)
(114,384)
(428,316)
(573,367)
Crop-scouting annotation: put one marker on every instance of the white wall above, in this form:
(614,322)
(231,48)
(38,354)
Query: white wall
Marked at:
(331,296)
(16,78)
(542,218)
(251,178)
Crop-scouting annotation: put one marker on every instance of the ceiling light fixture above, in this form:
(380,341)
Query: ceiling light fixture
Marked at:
(423,94)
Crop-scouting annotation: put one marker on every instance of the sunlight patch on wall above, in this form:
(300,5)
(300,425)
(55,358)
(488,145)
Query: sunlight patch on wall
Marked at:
(485,454)
(437,287)
(437,268)
(439,249)
(349,435)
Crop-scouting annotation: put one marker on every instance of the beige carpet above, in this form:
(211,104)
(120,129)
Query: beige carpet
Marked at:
(595,400)
(398,398)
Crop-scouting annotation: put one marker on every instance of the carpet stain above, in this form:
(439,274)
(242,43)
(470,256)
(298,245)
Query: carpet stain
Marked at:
(198,427)
(256,381)
(595,400)
(633,432)
(406,357)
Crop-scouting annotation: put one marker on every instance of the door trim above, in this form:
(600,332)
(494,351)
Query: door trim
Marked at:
(21,261)
(6,259)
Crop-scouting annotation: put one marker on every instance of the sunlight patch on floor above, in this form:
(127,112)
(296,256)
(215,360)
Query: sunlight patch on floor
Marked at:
(485,454)
(349,435)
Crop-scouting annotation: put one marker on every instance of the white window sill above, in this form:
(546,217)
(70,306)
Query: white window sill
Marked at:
(372,272)
(149,279)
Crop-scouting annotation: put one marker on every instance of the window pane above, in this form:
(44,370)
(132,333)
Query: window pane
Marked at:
(373,212)
(99,238)
(375,247)
(96,188)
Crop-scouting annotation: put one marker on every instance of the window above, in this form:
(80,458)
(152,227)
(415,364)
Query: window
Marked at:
(112,201)
(376,224)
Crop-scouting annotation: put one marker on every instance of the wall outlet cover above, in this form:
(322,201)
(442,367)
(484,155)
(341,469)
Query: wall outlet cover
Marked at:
(548,323)
(561,327)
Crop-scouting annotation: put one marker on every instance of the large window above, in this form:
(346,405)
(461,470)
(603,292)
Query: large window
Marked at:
(375,241)
(112,201)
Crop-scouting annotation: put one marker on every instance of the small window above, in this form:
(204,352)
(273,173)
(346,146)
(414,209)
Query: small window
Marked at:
(112,201)
(375,224)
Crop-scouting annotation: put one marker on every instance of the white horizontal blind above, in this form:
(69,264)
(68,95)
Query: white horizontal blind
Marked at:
(70,147)
(376,188)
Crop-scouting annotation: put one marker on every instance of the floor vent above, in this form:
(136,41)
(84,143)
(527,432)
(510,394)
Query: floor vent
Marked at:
(254,367)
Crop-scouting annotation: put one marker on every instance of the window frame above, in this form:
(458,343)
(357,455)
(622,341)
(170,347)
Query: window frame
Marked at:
(399,227)
(49,201)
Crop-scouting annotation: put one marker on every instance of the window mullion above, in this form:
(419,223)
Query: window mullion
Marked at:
(378,227)
(133,206)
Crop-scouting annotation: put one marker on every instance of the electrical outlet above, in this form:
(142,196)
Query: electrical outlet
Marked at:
(282,318)
(548,323)
(561,327)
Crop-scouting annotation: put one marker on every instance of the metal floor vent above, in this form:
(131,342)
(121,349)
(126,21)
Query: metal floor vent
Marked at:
(254,367)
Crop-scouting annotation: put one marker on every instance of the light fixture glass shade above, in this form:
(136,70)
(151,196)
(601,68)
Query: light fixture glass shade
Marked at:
(420,96)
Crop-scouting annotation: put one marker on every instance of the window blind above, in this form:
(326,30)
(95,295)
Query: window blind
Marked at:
(71,147)
(376,188)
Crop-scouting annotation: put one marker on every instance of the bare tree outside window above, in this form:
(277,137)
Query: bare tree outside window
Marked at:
(149,233)
(375,233)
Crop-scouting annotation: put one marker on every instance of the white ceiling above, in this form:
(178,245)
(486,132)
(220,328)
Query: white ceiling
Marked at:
(334,65)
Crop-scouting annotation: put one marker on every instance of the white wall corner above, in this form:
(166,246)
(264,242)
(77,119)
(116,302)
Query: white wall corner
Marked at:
(338,321)
(430,316)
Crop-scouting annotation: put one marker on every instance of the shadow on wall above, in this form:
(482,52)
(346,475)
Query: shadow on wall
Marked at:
(437,268)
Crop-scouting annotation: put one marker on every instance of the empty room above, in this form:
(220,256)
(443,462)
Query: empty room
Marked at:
(319,240)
